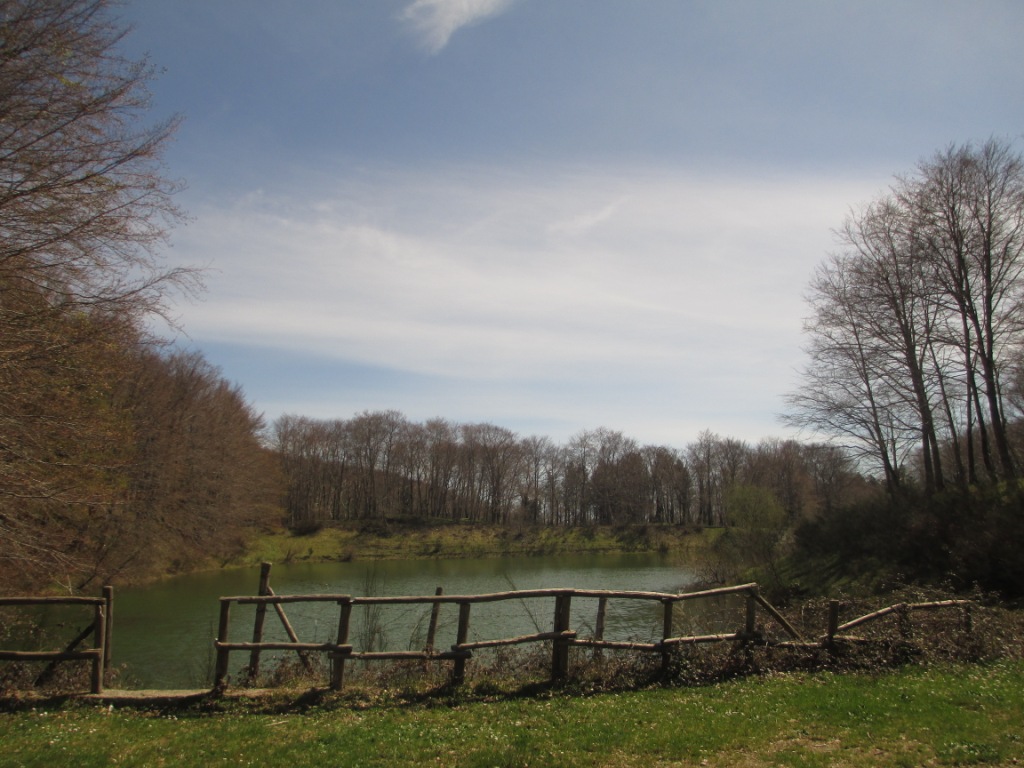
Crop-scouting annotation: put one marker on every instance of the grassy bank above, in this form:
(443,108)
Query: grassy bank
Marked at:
(395,540)
(937,715)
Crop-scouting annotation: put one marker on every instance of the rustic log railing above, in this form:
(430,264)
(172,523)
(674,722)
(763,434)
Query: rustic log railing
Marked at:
(834,632)
(100,629)
(562,637)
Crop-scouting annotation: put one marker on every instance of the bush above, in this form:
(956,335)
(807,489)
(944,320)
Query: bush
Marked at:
(306,527)
(956,539)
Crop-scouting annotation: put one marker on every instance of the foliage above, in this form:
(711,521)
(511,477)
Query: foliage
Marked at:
(964,540)
(200,477)
(754,539)
(455,540)
(116,460)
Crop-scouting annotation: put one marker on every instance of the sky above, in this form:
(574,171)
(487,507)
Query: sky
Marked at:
(548,215)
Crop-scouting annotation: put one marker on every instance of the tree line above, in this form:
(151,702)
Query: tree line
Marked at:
(380,465)
(119,455)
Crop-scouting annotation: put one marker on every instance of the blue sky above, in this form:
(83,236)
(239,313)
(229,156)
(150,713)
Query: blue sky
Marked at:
(550,215)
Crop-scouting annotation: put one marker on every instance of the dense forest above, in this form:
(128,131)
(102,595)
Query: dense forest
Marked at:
(380,465)
(118,454)
(123,456)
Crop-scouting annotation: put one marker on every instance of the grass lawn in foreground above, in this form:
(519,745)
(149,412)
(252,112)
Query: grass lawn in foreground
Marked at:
(938,715)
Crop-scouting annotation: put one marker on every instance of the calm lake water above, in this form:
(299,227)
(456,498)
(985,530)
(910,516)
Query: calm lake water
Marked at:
(164,633)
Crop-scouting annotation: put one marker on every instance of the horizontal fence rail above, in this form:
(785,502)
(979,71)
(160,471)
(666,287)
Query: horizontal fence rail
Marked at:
(101,629)
(901,611)
(561,636)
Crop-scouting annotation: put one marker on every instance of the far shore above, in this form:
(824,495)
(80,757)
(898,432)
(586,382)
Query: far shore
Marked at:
(380,540)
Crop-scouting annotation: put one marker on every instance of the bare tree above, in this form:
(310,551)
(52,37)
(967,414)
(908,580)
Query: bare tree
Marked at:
(931,274)
(700,458)
(900,304)
(199,478)
(671,484)
(846,392)
(84,208)
(375,438)
(538,481)
(83,202)
(971,205)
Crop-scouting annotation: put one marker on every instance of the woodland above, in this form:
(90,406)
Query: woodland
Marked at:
(118,454)
(123,457)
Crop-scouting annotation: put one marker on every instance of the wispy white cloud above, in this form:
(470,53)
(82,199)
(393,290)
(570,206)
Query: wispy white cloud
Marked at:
(558,282)
(660,298)
(435,21)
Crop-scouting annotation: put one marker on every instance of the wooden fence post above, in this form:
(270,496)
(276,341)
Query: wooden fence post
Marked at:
(602,610)
(666,633)
(108,601)
(435,611)
(462,635)
(560,645)
(257,626)
(338,658)
(223,654)
(750,623)
(833,624)
(101,636)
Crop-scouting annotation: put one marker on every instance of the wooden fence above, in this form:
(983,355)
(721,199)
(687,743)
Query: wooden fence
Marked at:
(100,629)
(561,635)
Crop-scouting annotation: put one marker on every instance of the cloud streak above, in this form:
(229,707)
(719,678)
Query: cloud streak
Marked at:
(435,21)
(614,283)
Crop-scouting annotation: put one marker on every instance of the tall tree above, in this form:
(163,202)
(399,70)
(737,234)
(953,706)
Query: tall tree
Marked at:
(199,478)
(84,207)
(900,306)
(845,392)
(930,274)
(971,204)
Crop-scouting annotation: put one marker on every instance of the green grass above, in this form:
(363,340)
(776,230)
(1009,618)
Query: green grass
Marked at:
(392,541)
(938,715)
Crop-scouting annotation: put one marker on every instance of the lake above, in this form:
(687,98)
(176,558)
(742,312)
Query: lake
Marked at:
(164,632)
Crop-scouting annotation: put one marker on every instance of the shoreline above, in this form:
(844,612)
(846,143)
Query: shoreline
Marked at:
(400,540)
